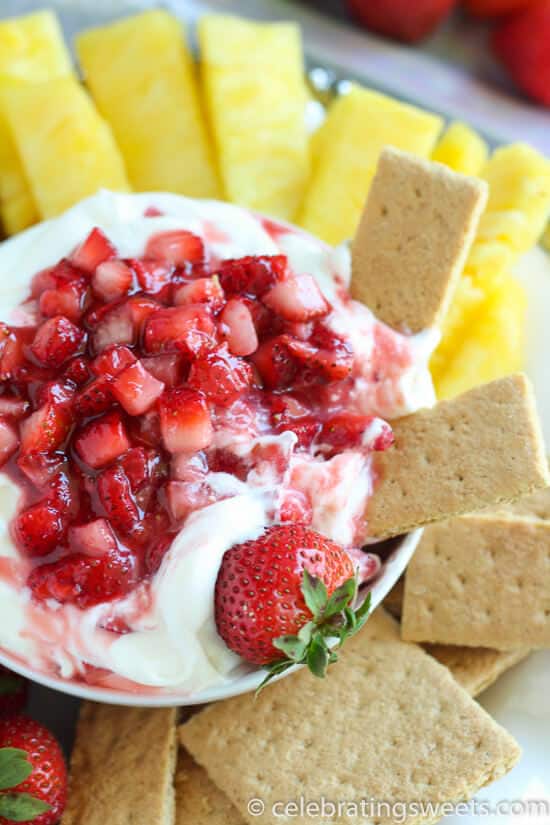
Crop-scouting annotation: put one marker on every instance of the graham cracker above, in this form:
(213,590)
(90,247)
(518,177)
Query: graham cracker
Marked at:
(476,668)
(198,800)
(481,581)
(389,723)
(122,766)
(412,241)
(478,450)
(536,505)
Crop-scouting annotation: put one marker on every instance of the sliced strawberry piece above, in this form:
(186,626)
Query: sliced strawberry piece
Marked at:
(39,529)
(226,461)
(115,494)
(40,468)
(115,326)
(185,467)
(13,351)
(306,429)
(185,421)
(94,539)
(253,274)
(94,250)
(296,507)
(201,291)
(136,389)
(78,371)
(156,552)
(188,329)
(112,361)
(56,340)
(94,399)
(141,308)
(184,497)
(176,246)
(222,377)
(102,440)
(140,465)
(46,429)
(167,368)
(12,406)
(275,362)
(60,489)
(334,357)
(49,278)
(237,327)
(66,298)
(146,429)
(83,580)
(60,391)
(297,299)
(153,275)
(112,280)
(9,440)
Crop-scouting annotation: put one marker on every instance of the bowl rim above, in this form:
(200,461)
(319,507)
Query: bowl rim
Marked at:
(394,566)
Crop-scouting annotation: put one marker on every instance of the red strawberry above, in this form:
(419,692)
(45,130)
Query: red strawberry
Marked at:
(13,407)
(222,377)
(289,581)
(115,493)
(9,440)
(65,298)
(401,19)
(201,291)
(56,340)
(252,275)
(167,368)
(187,329)
(113,324)
(297,299)
(496,8)
(153,275)
(140,465)
(31,757)
(102,440)
(522,42)
(176,246)
(77,371)
(185,421)
(112,280)
(39,529)
(95,249)
(135,389)
(112,361)
(347,431)
(46,429)
(237,327)
(93,539)
(185,496)
(13,692)
(85,580)
(94,398)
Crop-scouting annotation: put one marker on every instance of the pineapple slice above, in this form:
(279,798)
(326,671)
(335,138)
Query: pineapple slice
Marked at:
(31,51)
(519,181)
(494,346)
(67,150)
(546,238)
(142,78)
(462,149)
(253,77)
(346,151)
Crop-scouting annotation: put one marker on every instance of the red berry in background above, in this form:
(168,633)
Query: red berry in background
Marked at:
(278,598)
(407,20)
(33,777)
(496,8)
(522,43)
(13,692)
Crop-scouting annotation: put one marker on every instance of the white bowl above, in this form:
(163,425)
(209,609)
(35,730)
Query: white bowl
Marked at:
(245,678)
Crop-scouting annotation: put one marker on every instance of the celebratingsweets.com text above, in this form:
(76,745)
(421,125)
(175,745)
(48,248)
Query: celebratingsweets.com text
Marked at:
(399,812)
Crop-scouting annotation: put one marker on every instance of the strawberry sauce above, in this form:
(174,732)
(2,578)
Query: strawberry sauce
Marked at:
(137,391)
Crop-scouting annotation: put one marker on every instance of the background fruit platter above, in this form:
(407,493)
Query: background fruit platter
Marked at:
(63,143)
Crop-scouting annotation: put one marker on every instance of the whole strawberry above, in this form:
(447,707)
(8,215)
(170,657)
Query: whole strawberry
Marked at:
(280,598)
(522,42)
(33,774)
(13,692)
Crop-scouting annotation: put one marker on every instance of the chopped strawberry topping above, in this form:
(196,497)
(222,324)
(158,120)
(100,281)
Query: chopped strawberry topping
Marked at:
(167,368)
(201,291)
(115,493)
(94,399)
(187,329)
(102,440)
(66,297)
(252,275)
(8,440)
(220,376)
(112,361)
(297,299)
(56,340)
(177,247)
(96,249)
(185,421)
(39,529)
(237,327)
(136,389)
(93,539)
(112,280)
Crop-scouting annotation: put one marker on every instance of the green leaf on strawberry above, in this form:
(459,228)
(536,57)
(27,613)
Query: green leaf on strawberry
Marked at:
(21,807)
(334,620)
(15,767)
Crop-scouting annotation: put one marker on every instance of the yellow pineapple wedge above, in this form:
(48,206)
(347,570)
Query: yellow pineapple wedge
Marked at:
(346,151)
(494,345)
(67,149)
(142,78)
(31,51)
(256,95)
(462,149)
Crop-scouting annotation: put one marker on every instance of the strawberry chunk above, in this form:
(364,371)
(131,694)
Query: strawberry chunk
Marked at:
(39,529)
(94,399)
(115,326)
(222,377)
(140,308)
(167,368)
(84,580)
(9,440)
(12,406)
(139,464)
(276,363)
(201,291)
(184,497)
(112,361)
(12,357)
(153,275)
(77,371)
(237,327)
(112,280)
(185,467)
(252,275)
(115,494)
(40,468)
(93,539)
(102,440)
(56,340)
(60,391)
(185,422)
(297,299)
(51,277)
(93,251)
(156,552)
(188,329)
(46,429)
(136,389)
(175,246)
(66,297)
